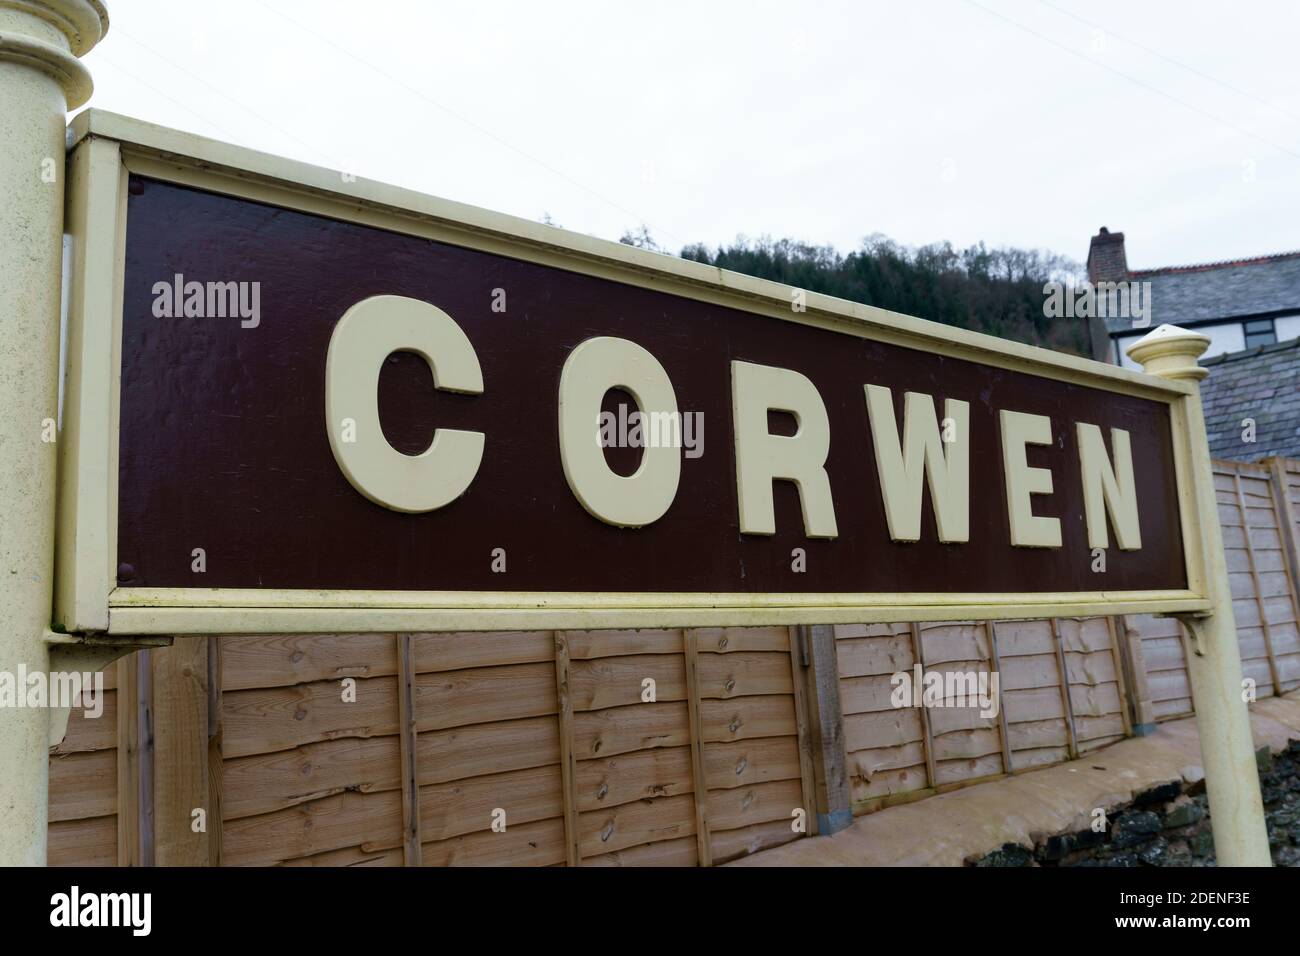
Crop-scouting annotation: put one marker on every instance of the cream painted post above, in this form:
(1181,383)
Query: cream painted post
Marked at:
(40,79)
(1231,778)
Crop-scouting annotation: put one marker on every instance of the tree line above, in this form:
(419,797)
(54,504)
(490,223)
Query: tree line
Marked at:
(997,291)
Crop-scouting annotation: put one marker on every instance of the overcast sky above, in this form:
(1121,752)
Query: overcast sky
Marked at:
(1017,122)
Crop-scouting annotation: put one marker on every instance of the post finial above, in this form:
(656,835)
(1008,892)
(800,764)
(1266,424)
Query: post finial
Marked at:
(1170,352)
(51,36)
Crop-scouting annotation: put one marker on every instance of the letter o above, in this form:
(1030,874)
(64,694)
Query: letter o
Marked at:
(363,339)
(591,370)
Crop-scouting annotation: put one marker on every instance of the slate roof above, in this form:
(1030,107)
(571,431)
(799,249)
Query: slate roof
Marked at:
(1218,290)
(1263,384)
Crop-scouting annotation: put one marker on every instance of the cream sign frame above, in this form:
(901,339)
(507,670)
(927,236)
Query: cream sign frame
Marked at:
(106,149)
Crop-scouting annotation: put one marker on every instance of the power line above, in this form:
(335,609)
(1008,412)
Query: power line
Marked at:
(1135,80)
(247,109)
(101,58)
(464,119)
(1169,59)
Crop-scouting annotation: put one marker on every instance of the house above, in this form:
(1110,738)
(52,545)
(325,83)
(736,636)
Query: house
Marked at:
(1252,402)
(1250,309)
(1240,304)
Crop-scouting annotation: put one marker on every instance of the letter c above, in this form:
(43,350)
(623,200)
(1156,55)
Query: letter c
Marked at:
(367,334)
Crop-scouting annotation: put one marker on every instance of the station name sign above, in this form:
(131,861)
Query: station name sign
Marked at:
(319,410)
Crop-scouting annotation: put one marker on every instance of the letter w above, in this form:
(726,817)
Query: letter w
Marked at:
(903,467)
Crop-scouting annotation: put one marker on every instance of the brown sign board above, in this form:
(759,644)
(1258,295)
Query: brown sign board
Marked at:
(232,487)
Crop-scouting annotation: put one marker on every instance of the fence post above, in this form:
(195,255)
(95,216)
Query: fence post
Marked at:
(1277,469)
(40,79)
(180,764)
(1231,778)
(830,773)
(1129,638)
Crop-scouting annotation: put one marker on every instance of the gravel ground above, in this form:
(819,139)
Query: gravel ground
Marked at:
(1169,825)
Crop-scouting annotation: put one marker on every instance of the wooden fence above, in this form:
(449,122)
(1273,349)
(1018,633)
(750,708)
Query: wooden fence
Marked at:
(1257,505)
(1060,695)
(84,786)
(528,748)
(680,747)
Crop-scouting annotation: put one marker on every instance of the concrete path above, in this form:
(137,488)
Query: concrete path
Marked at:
(944,830)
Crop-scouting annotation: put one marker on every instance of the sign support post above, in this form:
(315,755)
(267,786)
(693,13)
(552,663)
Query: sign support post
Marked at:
(1227,751)
(40,79)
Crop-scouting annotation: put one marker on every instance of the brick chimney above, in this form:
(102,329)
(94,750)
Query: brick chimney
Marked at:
(1106,259)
